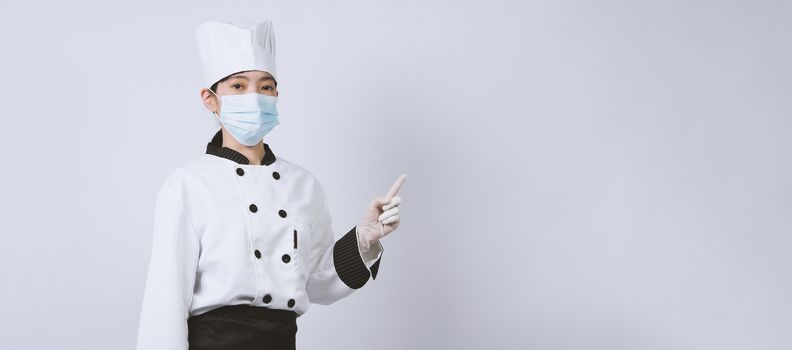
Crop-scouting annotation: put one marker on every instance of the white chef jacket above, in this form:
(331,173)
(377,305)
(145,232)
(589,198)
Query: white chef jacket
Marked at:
(227,232)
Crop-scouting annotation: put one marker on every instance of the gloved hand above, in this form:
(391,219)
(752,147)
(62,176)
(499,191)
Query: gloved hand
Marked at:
(381,218)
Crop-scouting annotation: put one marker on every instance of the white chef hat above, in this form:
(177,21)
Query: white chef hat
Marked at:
(227,48)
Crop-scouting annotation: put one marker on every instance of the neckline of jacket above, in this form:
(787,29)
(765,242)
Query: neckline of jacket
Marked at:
(215,147)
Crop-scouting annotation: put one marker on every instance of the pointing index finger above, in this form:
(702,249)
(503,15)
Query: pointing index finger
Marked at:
(396,186)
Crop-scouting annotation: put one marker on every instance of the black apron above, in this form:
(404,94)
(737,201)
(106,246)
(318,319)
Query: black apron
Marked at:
(243,327)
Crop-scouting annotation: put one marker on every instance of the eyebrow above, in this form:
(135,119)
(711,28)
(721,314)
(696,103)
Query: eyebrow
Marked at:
(246,78)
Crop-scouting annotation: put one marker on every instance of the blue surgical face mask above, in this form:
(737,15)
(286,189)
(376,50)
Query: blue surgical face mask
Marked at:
(248,117)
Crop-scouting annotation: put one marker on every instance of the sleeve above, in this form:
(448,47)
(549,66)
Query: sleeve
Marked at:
(171,277)
(338,269)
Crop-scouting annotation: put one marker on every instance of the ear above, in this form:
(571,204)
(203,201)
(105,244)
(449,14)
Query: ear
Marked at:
(209,100)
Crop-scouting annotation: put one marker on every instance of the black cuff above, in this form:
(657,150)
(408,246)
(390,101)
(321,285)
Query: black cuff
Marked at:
(375,266)
(348,263)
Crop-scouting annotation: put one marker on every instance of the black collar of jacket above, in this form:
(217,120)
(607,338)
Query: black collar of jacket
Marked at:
(216,148)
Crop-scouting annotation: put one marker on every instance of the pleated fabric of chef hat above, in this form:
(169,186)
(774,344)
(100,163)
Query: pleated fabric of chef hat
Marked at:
(227,48)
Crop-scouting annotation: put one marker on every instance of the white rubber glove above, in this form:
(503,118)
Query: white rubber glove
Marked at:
(381,218)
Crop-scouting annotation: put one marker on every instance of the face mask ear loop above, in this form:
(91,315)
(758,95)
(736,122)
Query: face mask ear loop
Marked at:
(219,99)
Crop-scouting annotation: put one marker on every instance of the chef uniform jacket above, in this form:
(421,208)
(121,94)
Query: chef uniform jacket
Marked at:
(227,232)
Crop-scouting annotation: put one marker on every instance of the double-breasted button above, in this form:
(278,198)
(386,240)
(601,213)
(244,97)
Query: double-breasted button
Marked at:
(275,175)
(267,298)
(240,171)
(258,254)
(253,208)
(282,213)
(286,258)
(291,303)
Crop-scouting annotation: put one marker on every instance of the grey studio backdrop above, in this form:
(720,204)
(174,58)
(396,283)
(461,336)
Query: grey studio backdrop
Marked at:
(581,175)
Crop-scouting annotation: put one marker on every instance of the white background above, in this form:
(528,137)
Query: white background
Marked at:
(581,174)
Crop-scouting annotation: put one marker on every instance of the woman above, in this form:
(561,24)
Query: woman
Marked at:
(243,241)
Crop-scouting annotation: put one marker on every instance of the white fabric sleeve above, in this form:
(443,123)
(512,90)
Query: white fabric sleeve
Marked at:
(171,276)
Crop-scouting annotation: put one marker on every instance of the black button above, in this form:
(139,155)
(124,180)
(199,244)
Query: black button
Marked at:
(240,172)
(253,208)
(291,302)
(267,298)
(286,258)
(282,213)
(275,175)
(258,254)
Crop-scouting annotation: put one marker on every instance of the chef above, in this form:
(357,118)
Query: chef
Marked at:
(242,238)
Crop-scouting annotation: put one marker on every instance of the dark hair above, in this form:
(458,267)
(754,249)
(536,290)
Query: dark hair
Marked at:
(214,86)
